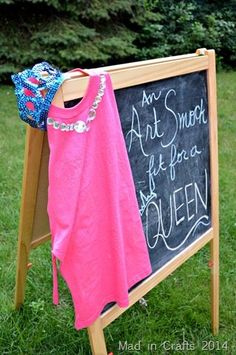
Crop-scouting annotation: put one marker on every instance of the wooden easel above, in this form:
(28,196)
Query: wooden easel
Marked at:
(34,226)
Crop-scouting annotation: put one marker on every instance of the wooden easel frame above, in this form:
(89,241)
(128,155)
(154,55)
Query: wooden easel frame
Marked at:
(34,228)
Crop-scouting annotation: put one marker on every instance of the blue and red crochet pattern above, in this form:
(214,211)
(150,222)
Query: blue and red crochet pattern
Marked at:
(35,89)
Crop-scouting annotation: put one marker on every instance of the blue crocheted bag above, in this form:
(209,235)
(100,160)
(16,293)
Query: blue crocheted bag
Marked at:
(35,89)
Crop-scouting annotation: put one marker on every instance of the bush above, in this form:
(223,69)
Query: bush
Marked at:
(89,33)
(183,27)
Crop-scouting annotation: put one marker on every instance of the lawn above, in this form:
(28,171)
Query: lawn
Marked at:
(178,309)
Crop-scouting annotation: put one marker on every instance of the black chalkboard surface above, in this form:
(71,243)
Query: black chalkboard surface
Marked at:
(166,130)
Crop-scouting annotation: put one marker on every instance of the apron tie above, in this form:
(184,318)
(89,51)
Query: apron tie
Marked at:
(55,292)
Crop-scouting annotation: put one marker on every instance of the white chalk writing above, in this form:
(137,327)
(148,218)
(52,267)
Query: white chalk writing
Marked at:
(188,203)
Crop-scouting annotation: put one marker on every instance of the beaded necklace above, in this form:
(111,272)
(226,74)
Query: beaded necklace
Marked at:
(82,126)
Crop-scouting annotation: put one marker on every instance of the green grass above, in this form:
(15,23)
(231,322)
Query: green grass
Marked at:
(178,309)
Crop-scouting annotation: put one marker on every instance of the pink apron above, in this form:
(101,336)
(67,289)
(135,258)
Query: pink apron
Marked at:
(97,233)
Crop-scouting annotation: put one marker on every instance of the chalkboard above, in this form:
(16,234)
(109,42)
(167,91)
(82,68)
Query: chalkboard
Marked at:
(168,111)
(166,129)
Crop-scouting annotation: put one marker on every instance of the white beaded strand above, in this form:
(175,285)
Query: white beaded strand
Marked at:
(82,126)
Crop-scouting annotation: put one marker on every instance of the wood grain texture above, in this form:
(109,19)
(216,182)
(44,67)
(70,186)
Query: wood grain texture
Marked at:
(130,76)
(212,102)
(32,164)
(96,338)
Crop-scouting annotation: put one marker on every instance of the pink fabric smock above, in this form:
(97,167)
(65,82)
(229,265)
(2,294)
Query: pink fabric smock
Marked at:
(96,228)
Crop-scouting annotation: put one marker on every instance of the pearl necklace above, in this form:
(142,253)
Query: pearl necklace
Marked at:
(82,126)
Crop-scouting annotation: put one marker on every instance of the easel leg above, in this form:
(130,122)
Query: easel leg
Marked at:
(32,161)
(21,273)
(211,79)
(96,338)
(215,285)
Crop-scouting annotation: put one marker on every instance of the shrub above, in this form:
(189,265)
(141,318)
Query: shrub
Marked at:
(89,33)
